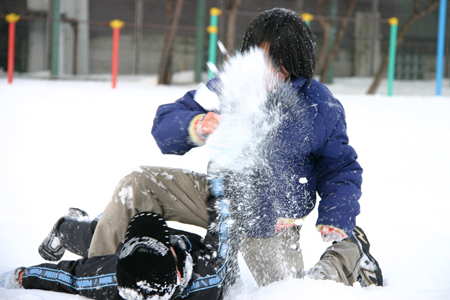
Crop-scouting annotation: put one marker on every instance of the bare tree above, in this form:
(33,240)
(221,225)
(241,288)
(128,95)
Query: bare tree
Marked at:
(173,18)
(337,42)
(231,30)
(326,26)
(417,14)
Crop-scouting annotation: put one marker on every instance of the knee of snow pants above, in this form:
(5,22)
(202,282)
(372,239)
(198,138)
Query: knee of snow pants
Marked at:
(176,194)
(270,259)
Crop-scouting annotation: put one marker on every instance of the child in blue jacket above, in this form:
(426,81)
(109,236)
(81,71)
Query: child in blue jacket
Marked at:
(309,153)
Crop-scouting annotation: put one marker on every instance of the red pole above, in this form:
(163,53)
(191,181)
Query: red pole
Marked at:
(115,25)
(11,19)
(115,56)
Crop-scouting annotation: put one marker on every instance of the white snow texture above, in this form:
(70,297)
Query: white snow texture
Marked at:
(68,143)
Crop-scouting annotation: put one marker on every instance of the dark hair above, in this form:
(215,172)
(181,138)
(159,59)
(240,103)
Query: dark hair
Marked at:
(290,41)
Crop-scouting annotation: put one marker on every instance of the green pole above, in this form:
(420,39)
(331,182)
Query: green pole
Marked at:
(56,6)
(213,29)
(307,18)
(199,40)
(392,49)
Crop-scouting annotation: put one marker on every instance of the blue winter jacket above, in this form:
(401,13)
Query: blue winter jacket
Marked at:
(308,153)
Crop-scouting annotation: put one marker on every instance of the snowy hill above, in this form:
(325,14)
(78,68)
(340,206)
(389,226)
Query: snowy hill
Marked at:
(68,143)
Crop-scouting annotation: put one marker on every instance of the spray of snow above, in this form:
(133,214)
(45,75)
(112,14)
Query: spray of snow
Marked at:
(252,96)
(247,80)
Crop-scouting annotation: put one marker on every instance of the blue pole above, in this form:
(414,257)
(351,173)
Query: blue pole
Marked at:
(440,47)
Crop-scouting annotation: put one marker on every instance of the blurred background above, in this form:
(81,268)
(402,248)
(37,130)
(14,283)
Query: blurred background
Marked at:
(73,38)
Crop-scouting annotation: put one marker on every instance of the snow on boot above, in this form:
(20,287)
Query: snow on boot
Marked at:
(77,213)
(51,248)
(369,271)
(10,280)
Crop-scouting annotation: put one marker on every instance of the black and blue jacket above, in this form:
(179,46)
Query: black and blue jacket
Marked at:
(95,277)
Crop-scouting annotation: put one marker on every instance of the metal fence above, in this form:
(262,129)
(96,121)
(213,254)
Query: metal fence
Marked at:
(73,38)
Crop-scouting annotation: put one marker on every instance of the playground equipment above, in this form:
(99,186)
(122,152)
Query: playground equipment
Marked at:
(392,50)
(440,47)
(12,20)
(213,29)
(398,64)
(116,25)
(307,18)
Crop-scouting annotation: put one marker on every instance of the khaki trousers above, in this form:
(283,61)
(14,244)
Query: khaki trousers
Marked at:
(180,195)
(272,259)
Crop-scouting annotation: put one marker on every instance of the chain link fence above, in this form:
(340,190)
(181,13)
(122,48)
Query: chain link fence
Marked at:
(67,38)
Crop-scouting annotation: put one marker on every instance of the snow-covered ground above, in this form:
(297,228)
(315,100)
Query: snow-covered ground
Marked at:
(68,143)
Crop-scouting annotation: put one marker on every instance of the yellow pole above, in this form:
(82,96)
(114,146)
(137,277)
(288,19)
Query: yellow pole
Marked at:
(307,18)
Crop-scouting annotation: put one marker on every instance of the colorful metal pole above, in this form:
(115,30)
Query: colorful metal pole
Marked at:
(392,49)
(213,29)
(12,20)
(116,25)
(440,47)
(307,18)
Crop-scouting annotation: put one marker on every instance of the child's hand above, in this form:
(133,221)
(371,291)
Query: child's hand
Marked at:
(332,234)
(209,123)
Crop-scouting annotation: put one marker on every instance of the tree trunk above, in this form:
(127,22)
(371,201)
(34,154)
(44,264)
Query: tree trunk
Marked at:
(337,41)
(231,30)
(165,71)
(326,41)
(382,69)
(326,26)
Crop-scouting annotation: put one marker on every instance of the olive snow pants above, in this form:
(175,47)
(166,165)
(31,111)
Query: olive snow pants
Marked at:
(177,195)
(180,195)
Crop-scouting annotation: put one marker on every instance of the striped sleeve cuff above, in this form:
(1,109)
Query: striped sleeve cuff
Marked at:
(194,130)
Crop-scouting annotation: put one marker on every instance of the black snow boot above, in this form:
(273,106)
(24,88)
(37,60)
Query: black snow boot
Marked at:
(369,271)
(51,248)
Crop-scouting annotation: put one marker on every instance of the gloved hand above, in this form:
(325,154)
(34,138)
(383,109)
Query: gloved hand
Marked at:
(331,234)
